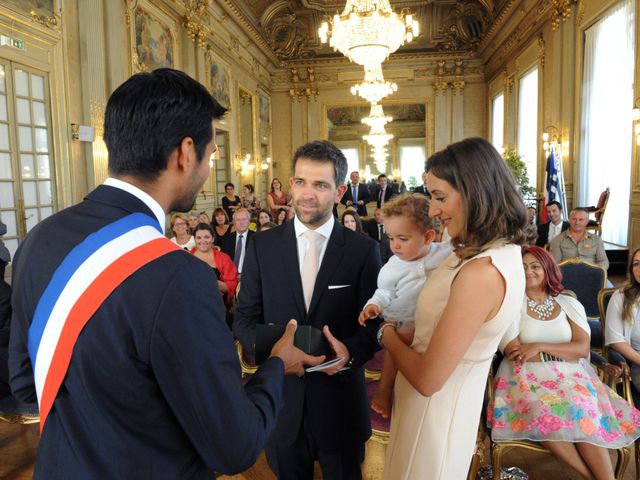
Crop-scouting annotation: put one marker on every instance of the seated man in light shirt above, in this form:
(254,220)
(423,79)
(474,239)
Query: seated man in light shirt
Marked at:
(576,242)
(554,227)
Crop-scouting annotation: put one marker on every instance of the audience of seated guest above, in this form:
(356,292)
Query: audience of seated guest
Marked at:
(554,227)
(423,188)
(250,201)
(193,223)
(383,192)
(622,326)
(374,227)
(230,202)
(221,225)
(531,215)
(203,217)
(235,244)
(282,216)
(180,227)
(576,242)
(546,389)
(277,198)
(357,195)
(351,220)
(264,217)
(222,265)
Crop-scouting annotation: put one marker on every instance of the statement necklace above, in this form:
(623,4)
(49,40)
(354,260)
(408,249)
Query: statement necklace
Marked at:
(544,309)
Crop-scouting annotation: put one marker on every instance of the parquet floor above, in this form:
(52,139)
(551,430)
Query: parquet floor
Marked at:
(18,444)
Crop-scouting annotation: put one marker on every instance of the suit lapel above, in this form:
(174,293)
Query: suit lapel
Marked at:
(330,262)
(291,266)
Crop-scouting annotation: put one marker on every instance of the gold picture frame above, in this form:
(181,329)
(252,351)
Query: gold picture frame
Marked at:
(153,37)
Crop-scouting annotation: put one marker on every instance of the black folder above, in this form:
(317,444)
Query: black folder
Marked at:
(309,339)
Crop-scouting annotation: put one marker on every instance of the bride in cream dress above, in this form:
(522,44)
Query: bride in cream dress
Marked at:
(462,313)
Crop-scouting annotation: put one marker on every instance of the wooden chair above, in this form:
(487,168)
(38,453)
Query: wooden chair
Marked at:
(586,280)
(598,211)
(499,448)
(624,385)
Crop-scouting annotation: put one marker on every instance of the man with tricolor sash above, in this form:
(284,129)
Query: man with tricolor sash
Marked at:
(117,333)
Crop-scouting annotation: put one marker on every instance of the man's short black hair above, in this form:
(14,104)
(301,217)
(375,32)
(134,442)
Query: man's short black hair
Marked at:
(149,115)
(324,151)
(382,175)
(557,204)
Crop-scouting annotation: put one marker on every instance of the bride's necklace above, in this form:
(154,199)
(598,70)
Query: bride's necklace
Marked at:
(544,309)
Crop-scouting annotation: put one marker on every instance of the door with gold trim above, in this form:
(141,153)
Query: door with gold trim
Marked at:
(26,165)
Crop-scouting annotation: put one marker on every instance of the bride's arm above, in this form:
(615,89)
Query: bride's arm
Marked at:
(476,295)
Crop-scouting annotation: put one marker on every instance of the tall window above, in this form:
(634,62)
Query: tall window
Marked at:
(352,154)
(606,127)
(412,158)
(497,121)
(528,123)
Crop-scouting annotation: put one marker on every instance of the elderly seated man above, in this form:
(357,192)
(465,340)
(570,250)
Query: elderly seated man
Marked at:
(576,242)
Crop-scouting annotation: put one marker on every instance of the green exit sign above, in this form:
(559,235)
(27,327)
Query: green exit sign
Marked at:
(12,42)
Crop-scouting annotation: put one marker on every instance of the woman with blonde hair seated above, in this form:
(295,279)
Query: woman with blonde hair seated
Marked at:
(546,389)
(222,265)
(180,227)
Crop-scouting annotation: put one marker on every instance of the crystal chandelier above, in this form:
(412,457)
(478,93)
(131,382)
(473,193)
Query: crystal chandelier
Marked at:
(374,88)
(368,31)
(376,119)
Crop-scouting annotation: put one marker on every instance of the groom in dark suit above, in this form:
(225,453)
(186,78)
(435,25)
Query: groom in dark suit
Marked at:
(356,195)
(153,389)
(326,414)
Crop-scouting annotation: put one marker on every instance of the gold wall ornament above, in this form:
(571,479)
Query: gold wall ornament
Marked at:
(464,26)
(541,49)
(197,22)
(54,22)
(129,6)
(309,91)
(288,36)
(560,12)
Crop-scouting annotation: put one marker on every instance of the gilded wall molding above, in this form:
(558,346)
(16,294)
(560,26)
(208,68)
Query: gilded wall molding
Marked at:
(197,22)
(560,12)
(54,22)
(541,50)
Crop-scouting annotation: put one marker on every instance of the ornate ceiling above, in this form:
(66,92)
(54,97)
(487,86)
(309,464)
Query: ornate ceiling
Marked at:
(290,27)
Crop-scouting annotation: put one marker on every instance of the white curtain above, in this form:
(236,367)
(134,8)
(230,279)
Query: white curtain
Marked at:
(528,123)
(606,124)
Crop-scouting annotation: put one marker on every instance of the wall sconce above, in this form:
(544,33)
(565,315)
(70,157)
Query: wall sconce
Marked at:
(264,165)
(551,139)
(243,164)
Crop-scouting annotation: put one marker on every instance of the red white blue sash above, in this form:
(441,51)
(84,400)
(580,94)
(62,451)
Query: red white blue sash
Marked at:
(84,279)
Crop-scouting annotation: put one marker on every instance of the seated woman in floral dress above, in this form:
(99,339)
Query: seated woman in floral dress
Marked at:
(546,390)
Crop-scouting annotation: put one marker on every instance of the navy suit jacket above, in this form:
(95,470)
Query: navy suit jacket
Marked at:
(421,189)
(336,407)
(228,243)
(154,388)
(363,194)
(389,192)
(543,233)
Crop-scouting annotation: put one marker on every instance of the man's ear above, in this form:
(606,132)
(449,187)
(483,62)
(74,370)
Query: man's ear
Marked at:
(185,154)
(340,192)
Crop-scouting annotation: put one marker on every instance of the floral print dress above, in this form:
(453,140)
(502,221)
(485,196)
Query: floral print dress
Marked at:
(561,401)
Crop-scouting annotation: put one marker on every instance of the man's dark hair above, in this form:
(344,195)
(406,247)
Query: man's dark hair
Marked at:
(557,204)
(149,115)
(323,151)
(382,175)
(229,184)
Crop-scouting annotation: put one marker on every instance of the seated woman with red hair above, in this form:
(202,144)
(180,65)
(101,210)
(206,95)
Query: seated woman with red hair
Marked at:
(546,390)
(220,262)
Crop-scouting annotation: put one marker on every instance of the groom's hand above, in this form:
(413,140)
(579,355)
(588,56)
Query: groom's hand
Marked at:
(294,359)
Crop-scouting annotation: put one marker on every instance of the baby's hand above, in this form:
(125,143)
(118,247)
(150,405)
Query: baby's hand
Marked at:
(369,311)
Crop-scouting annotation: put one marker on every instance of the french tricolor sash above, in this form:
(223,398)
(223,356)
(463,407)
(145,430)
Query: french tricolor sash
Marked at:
(82,282)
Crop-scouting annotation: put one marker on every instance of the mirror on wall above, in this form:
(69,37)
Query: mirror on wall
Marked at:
(406,151)
(264,140)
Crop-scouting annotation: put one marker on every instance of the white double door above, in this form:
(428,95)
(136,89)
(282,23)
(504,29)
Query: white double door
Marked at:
(26,165)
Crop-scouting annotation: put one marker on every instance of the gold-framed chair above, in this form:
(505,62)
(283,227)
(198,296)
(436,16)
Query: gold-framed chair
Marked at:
(499,448)
(598,212)
(13,412)
(247,364)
